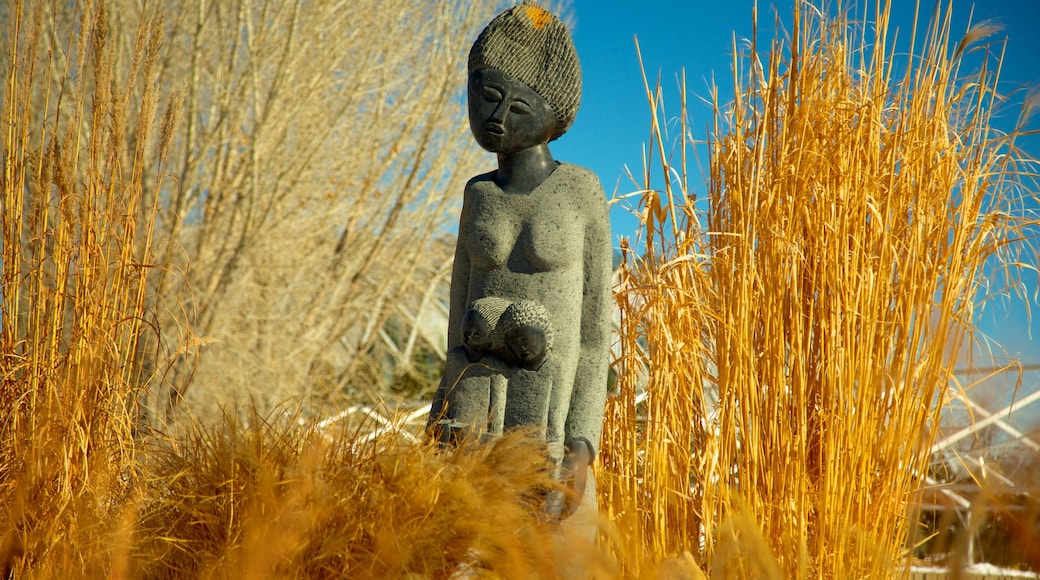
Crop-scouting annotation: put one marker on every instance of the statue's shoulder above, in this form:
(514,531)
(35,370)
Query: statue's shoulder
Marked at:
(481,182)
(478,188)
(580,175)
(584,185)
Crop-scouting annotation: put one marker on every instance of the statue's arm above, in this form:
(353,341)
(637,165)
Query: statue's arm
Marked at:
(456,308)
(459,291)
(588,397)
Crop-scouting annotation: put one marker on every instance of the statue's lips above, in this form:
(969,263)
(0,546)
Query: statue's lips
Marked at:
(495,129)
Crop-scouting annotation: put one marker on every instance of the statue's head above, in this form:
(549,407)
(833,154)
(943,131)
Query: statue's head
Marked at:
(528,345)
(476,331)
(527,332)
(524,80)
(480,334)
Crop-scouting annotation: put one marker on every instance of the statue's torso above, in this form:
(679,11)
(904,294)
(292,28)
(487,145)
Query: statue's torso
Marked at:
(532,246)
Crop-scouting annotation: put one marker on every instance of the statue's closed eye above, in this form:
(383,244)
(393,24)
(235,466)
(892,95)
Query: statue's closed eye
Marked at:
(520,107)
(491,94)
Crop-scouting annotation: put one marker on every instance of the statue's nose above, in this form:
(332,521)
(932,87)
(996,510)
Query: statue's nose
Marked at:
(501,111)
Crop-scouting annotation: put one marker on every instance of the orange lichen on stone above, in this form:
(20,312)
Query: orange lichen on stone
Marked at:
(539,17)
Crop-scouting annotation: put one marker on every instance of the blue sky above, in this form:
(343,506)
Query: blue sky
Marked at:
(613,123)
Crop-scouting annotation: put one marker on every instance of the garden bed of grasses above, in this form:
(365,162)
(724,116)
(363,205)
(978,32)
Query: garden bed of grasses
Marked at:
(785,346)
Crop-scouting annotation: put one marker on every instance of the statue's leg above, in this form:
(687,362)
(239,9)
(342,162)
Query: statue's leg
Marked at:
(527,397)
(579,531)
(556,419)
(559,406)
(467,399)
(497,412)
(529,404)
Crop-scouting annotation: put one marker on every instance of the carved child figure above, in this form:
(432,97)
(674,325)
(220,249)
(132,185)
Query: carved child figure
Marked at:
(501,338)
(533,231)
(519,333)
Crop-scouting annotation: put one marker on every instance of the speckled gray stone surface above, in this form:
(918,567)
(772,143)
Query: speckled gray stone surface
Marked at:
(550,246)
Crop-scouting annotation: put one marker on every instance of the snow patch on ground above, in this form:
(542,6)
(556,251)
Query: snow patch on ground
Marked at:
(981,570)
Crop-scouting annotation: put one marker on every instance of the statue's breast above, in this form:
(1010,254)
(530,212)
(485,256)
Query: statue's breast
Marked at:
(549,244)
(491,241)
(523,234)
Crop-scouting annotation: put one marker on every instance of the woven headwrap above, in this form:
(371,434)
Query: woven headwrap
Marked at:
(534,46)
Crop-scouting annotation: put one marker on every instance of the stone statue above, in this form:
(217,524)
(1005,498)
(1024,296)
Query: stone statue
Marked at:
(529,322)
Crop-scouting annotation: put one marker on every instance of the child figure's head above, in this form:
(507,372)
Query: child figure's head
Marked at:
(480,322)
(527,333)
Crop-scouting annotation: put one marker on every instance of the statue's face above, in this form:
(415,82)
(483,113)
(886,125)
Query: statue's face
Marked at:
(527,343)
(505,115)
(475,331)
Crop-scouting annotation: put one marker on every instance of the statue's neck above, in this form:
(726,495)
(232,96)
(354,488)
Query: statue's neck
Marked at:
(523,171)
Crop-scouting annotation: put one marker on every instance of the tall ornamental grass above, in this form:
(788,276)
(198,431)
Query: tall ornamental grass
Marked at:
(788,341)
(75,267)
(306,191)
